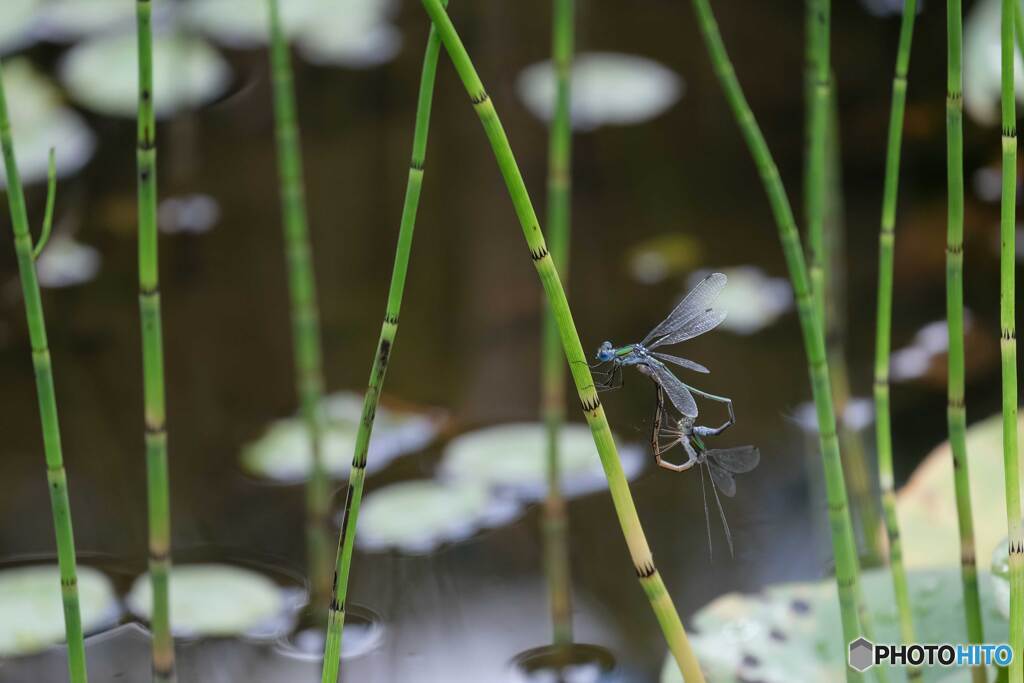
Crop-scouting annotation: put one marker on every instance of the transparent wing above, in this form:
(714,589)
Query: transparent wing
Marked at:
(735,460)
(704,321)
(696,302)
(715,486)
(676,391)
(722,479)
(681,362)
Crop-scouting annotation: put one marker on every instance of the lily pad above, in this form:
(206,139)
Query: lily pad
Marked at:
(67,263)
(284,453)
(40,121)
(792,632)
(244,24)
(663,256)
(16,20)
(513,458)
(66,21)
(220,600)
(100,74)
(607,89)
(927,506)
(31,607)
(982,63)
(192,214)
(418,516)
(340,37)
(753,299)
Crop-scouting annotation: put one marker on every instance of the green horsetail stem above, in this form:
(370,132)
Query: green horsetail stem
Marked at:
(883,329)
(556,542)
(389,329)
(843,545)
(158,485)
(817,180)
(650,579)
(46,394)
(1008,344)
(305,318)
(956,411)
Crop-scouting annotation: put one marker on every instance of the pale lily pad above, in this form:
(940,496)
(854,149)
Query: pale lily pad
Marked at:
(284,454)
(753,299)
(927,348)
(244,24)
(418,516)
(927,506)
(341,38)
(220,600)
(67,263)
(31,607)
(982,63)
(192,214)
(69,20)
(101,74)
(792,632)
(662,257)
(513,458)
(607,89)
(40,121)
(16,20)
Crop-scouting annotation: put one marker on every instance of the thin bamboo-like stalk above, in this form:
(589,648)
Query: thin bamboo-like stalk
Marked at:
(55,474)
(650,579)
(388,332)
(158,484)
(1008,343)
(556,542)
(843,544)
(883,329)
(305,318)
(817,181)
(956,411)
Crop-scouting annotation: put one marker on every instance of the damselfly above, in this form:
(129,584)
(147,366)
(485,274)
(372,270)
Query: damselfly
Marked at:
(692,317)
(721,463)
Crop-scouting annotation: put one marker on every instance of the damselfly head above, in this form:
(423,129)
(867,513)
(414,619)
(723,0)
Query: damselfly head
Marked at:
(686,425)
(605,352)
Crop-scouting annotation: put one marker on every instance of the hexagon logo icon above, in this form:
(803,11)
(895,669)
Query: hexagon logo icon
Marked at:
(862,654)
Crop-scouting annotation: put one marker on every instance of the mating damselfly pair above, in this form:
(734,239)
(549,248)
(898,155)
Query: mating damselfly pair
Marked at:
(692,317)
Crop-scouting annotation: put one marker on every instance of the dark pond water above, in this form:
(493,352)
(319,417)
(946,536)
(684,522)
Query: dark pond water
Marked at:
(470,323)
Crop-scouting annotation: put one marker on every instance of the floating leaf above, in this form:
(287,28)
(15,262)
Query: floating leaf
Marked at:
(192,214)
(16,20)
(31,607)
(245,23)
(752,299)
(101,74)
(418,516)
(607,89)
(983,62)
(40,122)
(67,263)
(341,38)
(513,458)
(664,256)
(792,632)
(284,454)
(927,506)
(220,600)
(66,21)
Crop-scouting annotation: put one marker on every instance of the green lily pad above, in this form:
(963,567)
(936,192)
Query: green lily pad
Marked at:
(69,20)
(512,458)
(418,516)
(607,89)
(284,453)
(40,121)
(982,63)
(219,600)
(31,607)
(792,632)
(753,299)
(927,506)
(16,21)
(243,24)
(101,74)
